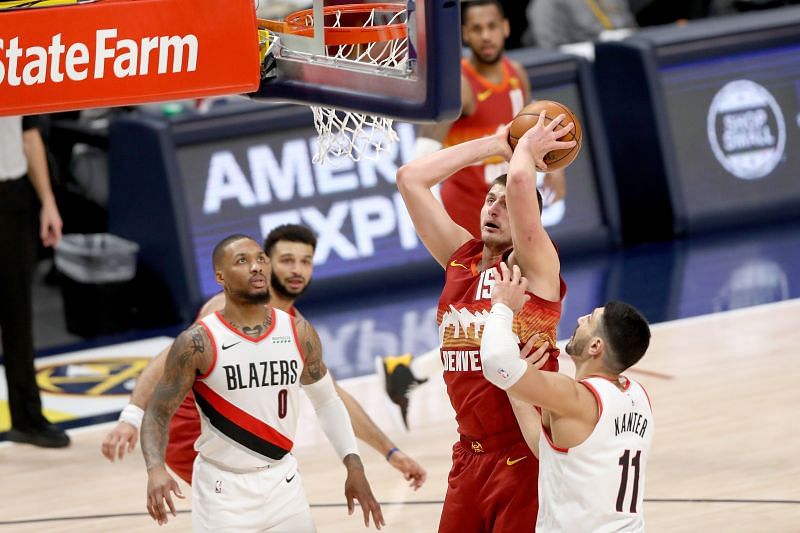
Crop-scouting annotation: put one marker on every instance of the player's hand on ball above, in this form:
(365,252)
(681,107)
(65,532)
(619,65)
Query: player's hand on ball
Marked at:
(412,471)
(544,138)
(159,486)
(356,487)
(510,288)
(504,147)
(122,437)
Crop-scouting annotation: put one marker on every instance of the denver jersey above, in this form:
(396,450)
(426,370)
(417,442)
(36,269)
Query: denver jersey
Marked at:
(248,401)
(496,105)
(483,410)
(598,485)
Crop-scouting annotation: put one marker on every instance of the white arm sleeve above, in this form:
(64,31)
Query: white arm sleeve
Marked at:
(500,359)
(332,416)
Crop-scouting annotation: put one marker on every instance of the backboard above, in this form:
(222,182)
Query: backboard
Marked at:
(419,82)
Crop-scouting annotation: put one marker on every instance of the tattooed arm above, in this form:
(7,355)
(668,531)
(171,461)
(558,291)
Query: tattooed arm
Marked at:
(335,423)
(189,356)
(314,369)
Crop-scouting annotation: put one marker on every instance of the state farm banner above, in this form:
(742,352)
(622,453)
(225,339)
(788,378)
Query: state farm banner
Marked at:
(121,52)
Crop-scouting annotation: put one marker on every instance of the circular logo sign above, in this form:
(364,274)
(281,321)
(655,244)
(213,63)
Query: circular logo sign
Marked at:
(746,129)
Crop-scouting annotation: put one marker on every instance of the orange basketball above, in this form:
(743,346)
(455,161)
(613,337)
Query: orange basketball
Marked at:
(527,118)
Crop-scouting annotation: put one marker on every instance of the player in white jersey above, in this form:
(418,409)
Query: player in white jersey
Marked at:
(245,365)
(593,440)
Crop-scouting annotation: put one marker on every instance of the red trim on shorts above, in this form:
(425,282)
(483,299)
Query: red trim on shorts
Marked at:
(214,345)
(546,433)
(297,339)
(247,337)
(596,396)
(241,418)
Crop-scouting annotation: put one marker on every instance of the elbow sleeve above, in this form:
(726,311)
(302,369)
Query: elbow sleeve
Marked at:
(332,416)
(500,359)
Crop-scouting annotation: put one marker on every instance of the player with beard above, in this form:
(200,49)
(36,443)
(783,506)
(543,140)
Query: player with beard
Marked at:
(291,249)
(245,476)
(494,89)
(590,426)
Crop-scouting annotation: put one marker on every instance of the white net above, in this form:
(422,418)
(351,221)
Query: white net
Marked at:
(350,134)
(381,47)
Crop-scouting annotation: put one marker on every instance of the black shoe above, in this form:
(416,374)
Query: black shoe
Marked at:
(398,380)
(49,436)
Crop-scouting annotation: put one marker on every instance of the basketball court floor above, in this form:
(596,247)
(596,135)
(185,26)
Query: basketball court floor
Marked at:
(721,371)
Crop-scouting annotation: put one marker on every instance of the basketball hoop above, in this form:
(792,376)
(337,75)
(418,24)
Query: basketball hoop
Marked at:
(356,36)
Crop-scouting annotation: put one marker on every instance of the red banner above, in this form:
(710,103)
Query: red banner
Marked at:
(121,52)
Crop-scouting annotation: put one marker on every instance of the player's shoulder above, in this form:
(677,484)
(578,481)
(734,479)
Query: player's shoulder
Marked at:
(467,250)
(195,337)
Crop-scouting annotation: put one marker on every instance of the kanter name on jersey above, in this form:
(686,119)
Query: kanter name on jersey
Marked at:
(633,422)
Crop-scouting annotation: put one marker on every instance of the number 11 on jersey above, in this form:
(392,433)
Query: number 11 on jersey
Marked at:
(624,462)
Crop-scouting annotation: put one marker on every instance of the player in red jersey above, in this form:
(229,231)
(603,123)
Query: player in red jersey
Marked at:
(494,89)
(493,481)
(290,248)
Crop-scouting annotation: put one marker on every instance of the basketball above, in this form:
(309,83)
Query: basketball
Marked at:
(527,118)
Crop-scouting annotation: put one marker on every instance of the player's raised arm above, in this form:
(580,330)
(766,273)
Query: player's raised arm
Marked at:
(502,365)
(335,422)
(190,355)
(533,250)
(437,230)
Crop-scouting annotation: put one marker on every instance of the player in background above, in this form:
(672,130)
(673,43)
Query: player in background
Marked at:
(494,89)
(594,436)
(245,477)
(290,248)
(491,460)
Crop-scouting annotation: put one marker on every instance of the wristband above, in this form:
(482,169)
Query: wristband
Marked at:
(132,415)
(391,453)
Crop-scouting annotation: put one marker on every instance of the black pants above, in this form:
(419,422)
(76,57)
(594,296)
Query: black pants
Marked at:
(17,263)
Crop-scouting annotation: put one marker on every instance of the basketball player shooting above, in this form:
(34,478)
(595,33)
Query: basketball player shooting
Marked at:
(491,461)
(596,430)
(244,476)
(494,88)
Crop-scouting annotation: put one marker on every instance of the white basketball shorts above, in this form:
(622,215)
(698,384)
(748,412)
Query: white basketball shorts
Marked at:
(270,499)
